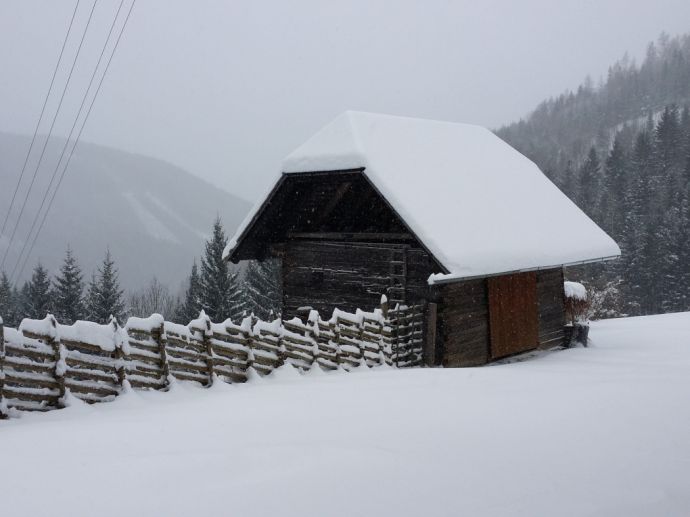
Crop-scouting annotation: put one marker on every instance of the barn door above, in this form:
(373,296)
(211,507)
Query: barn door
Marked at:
(513,314)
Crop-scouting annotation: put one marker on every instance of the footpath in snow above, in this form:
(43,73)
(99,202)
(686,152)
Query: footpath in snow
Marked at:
(602,431)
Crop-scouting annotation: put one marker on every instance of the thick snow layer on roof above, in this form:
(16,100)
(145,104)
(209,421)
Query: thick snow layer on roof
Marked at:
(478,205)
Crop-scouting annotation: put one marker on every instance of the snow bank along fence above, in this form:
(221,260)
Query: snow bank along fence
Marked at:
(42,360)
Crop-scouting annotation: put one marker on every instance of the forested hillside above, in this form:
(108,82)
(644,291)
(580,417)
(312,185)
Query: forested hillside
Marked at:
(621,151)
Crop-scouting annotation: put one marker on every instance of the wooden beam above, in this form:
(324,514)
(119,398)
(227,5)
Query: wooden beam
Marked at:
(345,236)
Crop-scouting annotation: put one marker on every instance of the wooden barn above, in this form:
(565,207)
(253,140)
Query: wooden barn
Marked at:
(443,214)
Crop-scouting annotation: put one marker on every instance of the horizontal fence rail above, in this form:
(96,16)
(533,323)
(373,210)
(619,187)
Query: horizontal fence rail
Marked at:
(43,362)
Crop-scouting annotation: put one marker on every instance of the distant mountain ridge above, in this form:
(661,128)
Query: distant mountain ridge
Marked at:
(154,216)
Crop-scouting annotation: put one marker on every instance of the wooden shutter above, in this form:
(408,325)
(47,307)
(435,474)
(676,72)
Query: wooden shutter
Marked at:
(513,314)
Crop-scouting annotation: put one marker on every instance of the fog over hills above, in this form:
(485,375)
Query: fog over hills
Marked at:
(152,215)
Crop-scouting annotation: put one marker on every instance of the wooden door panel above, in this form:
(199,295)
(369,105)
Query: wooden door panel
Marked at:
(513,314)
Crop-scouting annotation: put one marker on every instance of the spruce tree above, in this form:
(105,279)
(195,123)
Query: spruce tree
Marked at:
(589,182)
(104,297)
(37,295)
(667,141)
(614,189)
(21,302)
(191,305)
(570,182)
(7,308)
(262,289)
(636,239)
(220,287)
(68,291)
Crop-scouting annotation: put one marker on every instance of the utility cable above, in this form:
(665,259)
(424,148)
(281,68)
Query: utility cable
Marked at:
(40,118)
(69,137)
(81,129)
(50,132)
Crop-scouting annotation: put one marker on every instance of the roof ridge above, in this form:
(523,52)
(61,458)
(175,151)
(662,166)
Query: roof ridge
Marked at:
(356,138)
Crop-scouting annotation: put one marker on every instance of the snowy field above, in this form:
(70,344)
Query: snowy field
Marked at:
(600,431)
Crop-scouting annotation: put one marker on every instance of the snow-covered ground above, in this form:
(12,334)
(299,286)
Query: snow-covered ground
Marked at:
(598,431)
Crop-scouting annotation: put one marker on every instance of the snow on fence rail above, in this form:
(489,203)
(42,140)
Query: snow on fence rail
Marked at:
(43,362)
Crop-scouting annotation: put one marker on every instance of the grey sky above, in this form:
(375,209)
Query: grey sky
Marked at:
(227,88)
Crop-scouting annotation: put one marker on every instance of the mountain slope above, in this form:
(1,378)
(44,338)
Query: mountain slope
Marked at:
(621,151)
(152,215)
(563,128)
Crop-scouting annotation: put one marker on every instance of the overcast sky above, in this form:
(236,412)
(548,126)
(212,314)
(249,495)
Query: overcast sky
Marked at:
(227,88)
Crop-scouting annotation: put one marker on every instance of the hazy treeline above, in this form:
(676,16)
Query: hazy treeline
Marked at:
(621,151)
(214,287)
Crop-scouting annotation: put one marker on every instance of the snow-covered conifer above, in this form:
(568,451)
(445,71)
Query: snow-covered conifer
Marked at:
(37,302)
(220,288)
(104,297)
(8,308)
(191,305)
(262,288)
(68,291)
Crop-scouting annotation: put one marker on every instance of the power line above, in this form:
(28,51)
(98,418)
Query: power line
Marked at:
(50,132)
(69,137)
(81,129)
(40,118)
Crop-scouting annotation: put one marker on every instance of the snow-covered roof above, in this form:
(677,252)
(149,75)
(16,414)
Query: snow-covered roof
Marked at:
(479,206)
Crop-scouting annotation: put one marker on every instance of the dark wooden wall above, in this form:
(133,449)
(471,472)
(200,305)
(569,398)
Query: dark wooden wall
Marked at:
(349,276)
(551,307)
(463,333)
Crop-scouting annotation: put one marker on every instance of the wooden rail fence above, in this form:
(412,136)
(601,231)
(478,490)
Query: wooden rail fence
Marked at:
(42,362)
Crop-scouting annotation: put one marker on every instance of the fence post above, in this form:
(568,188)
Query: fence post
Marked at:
(250,335)
(282,355)
(208,346)
(310,333)
(60,360)
(120,369)
(336,339)
(159,336)
(3,405)
(361,345)
(395,336)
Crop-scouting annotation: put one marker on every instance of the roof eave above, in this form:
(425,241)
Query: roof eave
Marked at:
(452,280)
(232,256)
(444,269)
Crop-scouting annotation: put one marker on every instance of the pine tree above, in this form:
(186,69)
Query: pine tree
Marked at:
(667,140)
(21,302)
(37,300)
(570,182)
(104,297)
(191,305)
(68,291)
(220,288)
(613,191)
(589,182)
(636,277)
(262,289)
(7,307)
